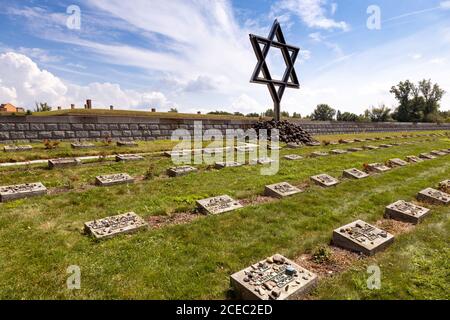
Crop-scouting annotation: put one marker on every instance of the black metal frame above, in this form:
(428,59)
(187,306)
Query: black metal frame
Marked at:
(290,54)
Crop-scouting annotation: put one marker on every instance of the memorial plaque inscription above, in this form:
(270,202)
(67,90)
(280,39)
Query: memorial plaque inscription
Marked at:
(217,205)
(293,157)
(221,165)
(377,167)
(113,179)
(20,191)
(396,162)
(180,171)
(433,196)
(355,174)
(281,190)
(128,157)
(17,148)
(63,163)
(112,226)
(414,159)
(406,211)
(325,180)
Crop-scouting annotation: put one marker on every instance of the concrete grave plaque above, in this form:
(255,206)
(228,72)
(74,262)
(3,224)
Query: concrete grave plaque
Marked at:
(221,165)
(433,196)
(113,179)
(128,157)
(338,151)
(17,148)
(426,156)
(263,160)
(115,225)
(275,278)
(414,159)
(180,171)
(359,140)
(77,145)
(334,143)
(63,163)
(245,148)
(355,174)
(127,144)
(406,211)
(217,205)
(446,151)
(20,191)
(177,153)
(325,180)
(354,149)
(438,153)
(293,145)
(313,144)
(281,190)
(370,139)
(396,162)
(386,145)
(362,237)
(377,167)
(293,157)
(319,154)
(370,147)
(270,147)
(212,151)
(346,141)
(444,186)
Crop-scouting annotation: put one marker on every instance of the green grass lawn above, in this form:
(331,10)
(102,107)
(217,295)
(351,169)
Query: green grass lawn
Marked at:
(41,237)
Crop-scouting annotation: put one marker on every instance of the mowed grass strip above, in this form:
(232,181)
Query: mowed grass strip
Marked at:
(41,237)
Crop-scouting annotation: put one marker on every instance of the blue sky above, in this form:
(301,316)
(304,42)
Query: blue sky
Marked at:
(196,56)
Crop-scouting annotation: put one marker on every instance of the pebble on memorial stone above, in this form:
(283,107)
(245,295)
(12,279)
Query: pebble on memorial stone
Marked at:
(377,167)
(355,174)
(433,196)
(76,145)
(217,205)
(438,153)
(319,154)
(427,156)
(370,147)
(293,157)
(275,278)
(414,159)
(180,171)
(339,151)
(63,162)
(112,226)
(221,165)
(396,162)
(126,143)
(20,191)
(113,179)
(362,237)
(128,157)
(281,190)
(444,186)
(354,149)
(325,180)
(406,211)
(17,148)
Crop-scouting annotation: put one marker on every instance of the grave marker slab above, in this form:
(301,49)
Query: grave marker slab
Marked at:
(20,191)
(359,140)
(77,145)
(263,160)
(113,179)
(245,148)
(128,157)
(177,153)
(446,151)
(319,154)
(444,186)
(377,167)
(281,190)
(406,211)
(126,144)
(180,171)
(414,159)
(112,226)
(355,174)
(339,151)
(426,156)
(313,144)
(396,162)
(275,278)
(325,180)
(370,147)
(63,163)
(362,237)
(346,141)
(17,148)
(438,153)
(293,157)
(292,145)
(270,147)
(217,205)
(334,143)
(386,145)
(433,196)
(354,149)
(221,165)
(211,151)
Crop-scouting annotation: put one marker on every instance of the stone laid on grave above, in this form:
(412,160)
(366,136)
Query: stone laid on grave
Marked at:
(281,190)
(427,156)
(293,145)
(20,191)
(275,278)
(216,150)
(180,171)
(177,153)
(112,226)
(396,162)
(262,160)
(271,147)
(217,205)
(334,143)
(346,141)
(438,153)
(396,144)
(127,144)
(313,144)
(355,174)
(414,159)
(406,211)
(433,196)
(17,148)
(319,154)
(386,145)
(362,237)
(77,145)
(446,151)
(325,180)
(113,179)
(128,157)
(354,149)
(370,148)
(63,163)
(221,165)
(359,140)
(338,151)
(377,167)
(293,157)
(444,186)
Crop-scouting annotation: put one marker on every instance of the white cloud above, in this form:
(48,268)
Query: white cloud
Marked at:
(445,4)
(416,56)
(246,104)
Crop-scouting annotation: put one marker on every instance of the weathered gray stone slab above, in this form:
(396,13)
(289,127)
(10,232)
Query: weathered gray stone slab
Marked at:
(292,145)
(17,148)
(177,153)
(355,174)
(444,186)
(406,211)
(128,157)
(325,180)
(127,144)
(281,190)
(433,196)
(180,171)
(414,159)
(438,153)
(370,147)
(354,149)
(293,157)
(359,140)
(427,156)
(20,191)
(217,205)
(63,163)
(113,179)
(77,145)
(386,145)
(221,165)
(396,162)
(338,151)
(334,143)
(211,151)
(377,167)
(313,144)
(245,148)
(112,226)
(346,141)
(270,147)
(319,154)
(275,278)
(262,160)
(362,237)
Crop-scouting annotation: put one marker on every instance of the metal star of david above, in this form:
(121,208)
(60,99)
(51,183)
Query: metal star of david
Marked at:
(290,54)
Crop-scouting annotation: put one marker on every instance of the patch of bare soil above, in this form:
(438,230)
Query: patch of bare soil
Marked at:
(394,227)
(158,222)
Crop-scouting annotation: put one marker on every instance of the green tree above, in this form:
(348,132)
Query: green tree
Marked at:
(323,112)
(225,113)
(174,110)
(269,113)
(285,114)
(42,107)
(380,114)
(252,115)
(348,116)
(296,115)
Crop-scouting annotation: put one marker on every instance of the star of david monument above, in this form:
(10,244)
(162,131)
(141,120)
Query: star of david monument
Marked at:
(262,74)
